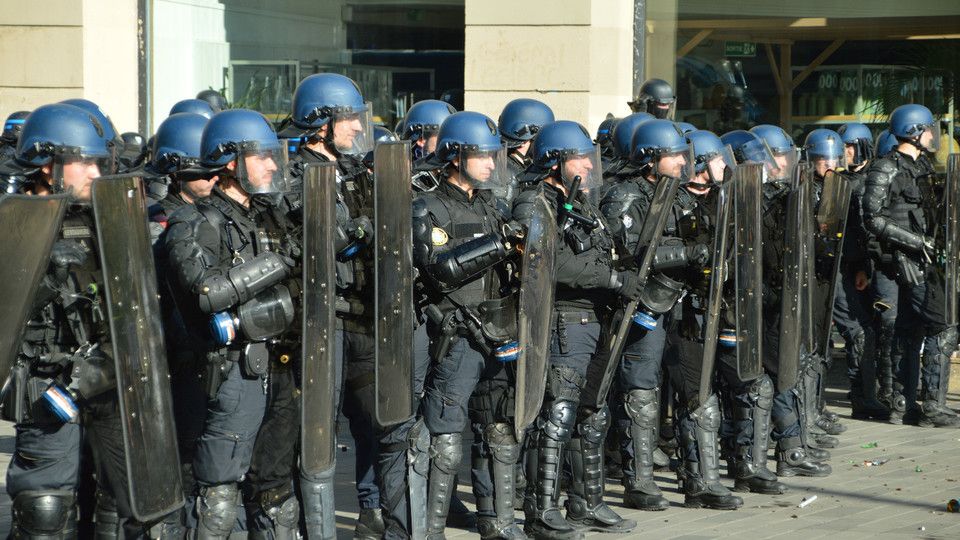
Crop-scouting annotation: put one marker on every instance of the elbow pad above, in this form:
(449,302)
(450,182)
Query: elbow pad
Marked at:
(242,282)
(669,257)
(461,263)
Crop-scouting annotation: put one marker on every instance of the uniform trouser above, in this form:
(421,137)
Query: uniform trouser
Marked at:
(902,315)
(785,412)
(491,402)
(640,368)
(393,446)
(852,314)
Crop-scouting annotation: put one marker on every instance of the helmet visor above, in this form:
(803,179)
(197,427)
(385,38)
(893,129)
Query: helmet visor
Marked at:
(262,169)
(713,167)
(74,173)
(587,167)
(785,166)
(677,163)
(485,169)
(930,138)
(353,131)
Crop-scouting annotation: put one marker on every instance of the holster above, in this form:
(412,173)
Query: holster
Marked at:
(446,336)
(214,373)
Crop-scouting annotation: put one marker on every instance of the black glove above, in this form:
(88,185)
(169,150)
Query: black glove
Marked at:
(361,228)
(629,285)
(64,254)
(514,233)
(697,255)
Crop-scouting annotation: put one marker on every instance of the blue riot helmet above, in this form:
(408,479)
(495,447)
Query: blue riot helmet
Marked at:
(783,149)
(623,133)
(713,160)
(213,98)
(656,97)
(686,127)
(194,106)
(109,131)
(748,147)
(915,124)
(469,146)
(661,150)
(12,127)
(382,134)
(176,145)
(885,144)
(564,151)
(521,119)
(241,144)
(604,138)
(329,107)
(859,143)
(824,149)
(421,124)
(71,142)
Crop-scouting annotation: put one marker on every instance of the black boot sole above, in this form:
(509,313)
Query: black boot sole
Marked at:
(747,488)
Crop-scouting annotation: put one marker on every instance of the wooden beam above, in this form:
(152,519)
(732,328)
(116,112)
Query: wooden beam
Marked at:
(774,69)
(694,41)
(786,78)
(816,62)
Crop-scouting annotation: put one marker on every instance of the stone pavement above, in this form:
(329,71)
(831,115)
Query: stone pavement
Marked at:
(903,498)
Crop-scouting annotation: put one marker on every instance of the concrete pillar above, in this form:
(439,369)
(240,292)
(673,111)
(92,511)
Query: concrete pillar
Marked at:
(661,29)
(574,55)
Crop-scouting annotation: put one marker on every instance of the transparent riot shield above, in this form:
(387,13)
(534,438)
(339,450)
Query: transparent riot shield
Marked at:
(718,277)
(535,310)
(393,273)
(318,435)
(791,294)
(29,227)
(748,185)
(830,227)
(650,233)
(951,243)
(136,332)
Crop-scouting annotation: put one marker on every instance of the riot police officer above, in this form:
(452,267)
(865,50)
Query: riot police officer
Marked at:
(794,456)
(10,182)
(213,98)
(519,123)
(693,221)
(566,171)
(231,256)
(194,106)
(657,98)
(894,201)
(621,138)
(333,123)
(64,373)
(462,248)
(175,154)
(420,127)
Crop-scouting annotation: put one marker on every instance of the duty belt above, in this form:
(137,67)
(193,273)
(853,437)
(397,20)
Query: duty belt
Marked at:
(574,317)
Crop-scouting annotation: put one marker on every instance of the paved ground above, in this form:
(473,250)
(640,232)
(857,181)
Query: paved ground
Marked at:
(903,498)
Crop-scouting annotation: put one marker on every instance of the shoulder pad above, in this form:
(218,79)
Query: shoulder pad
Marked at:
(885,164)
(419,208)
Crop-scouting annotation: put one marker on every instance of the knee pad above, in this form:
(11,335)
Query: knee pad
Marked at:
(643,406)
(46,513)
(560,419)
(502,442)
(707,415)
(280,505)
(593,427)
(217,508)
(446,452)
(761,392)
(564,384)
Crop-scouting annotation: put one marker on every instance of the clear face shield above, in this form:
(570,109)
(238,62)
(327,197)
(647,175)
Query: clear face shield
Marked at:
(485,169)
(857,153)
(353,131)
(677,164)
(785,166)
(587,167)
(930,138)
(828,155)
(713,167)
(73,173)
(262,169)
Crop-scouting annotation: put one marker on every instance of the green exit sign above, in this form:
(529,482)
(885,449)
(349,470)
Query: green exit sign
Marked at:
(739,48)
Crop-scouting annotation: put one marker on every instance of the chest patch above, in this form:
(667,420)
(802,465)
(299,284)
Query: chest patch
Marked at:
(439,237)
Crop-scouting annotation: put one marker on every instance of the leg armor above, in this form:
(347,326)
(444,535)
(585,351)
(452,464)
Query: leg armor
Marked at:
(700,475)
(44,515)
(504,450)
(585,507)
(418,471)
(752,473)
(554,430)
(793,456)
(280,507)
(445,456)
(863,373)
(936,367)
(893,401)
(318,507)
(107,525)
(217,511)
(643,409)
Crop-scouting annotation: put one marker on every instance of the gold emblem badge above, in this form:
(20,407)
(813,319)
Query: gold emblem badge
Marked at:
(439,236)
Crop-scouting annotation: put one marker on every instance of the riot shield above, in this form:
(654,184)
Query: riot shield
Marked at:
(830,229)
(748,185)
(535,308)
(136,330)
(318,435)
(951,243)
(393,272)
(794,289)
(28,228)
(718,277)
(650,233)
